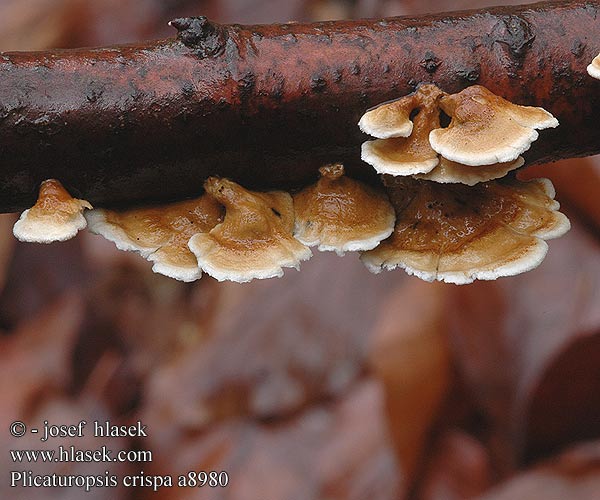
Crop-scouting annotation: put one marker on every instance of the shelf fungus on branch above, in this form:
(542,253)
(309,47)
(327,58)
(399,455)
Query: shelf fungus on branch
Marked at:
(56,216)
(457,234)
(160,233)
(268,105)
(255,239)
(483,141)
(402,146)
(451,172)
(594,68)
(486,128)
(342,214)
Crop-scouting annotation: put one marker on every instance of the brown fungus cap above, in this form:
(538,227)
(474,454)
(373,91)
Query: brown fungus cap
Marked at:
(594,68)
(403,155)
(487,129)
(341,214)
(161,234)
(56,216)
(458,234)
(451,172)
(390,119)
(255,239)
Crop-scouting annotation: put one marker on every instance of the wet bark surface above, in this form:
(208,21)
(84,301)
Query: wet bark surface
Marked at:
(268,105)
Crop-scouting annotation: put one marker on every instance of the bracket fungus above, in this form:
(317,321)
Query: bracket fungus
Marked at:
(402,146)
(483,141)
(255,239)
(451,172)
(449,210)
(456,233)
(56,216)
(341,214)
(487,129)
(160,234)
(594,68)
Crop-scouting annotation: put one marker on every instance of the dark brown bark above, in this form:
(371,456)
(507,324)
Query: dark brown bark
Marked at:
(268,105)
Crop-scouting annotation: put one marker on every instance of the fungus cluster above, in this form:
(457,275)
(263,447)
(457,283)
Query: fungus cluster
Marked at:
(448,207)
(229,232)
(160,234)
(485,131)
(402,146)
(460,216)
(458,233)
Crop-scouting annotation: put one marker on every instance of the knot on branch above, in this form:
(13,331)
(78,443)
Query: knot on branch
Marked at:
(516,34)
(198,33)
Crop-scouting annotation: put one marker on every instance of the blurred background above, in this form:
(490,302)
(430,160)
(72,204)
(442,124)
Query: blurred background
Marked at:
(328,384)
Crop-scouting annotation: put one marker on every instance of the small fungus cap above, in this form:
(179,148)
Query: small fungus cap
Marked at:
(390,119)
(254,240)
(455,233)
(487,129)
(341,214)
(404,155)
(161,233)
(594,68)
(56,216)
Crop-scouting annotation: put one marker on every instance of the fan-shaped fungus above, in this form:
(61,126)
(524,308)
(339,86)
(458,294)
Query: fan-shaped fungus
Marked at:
(160,234)
(455,233)
(341,214)
(486,132)
(403,148)
(255,239)
(487,129)
(56,216)
(391,119)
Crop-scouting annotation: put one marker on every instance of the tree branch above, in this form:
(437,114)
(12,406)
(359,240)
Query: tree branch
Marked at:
(268,105)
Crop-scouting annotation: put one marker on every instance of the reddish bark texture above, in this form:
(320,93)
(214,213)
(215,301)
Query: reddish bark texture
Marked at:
(267,105)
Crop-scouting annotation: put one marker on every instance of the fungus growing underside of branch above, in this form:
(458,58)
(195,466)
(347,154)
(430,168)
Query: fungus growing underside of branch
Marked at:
(56,216)
(267,106)
(457,233)
(161,233)
(482,233)
(252,110)
(402,146)
(487,129)
(483,141)
(341,214)
(255,239)
(449,232)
